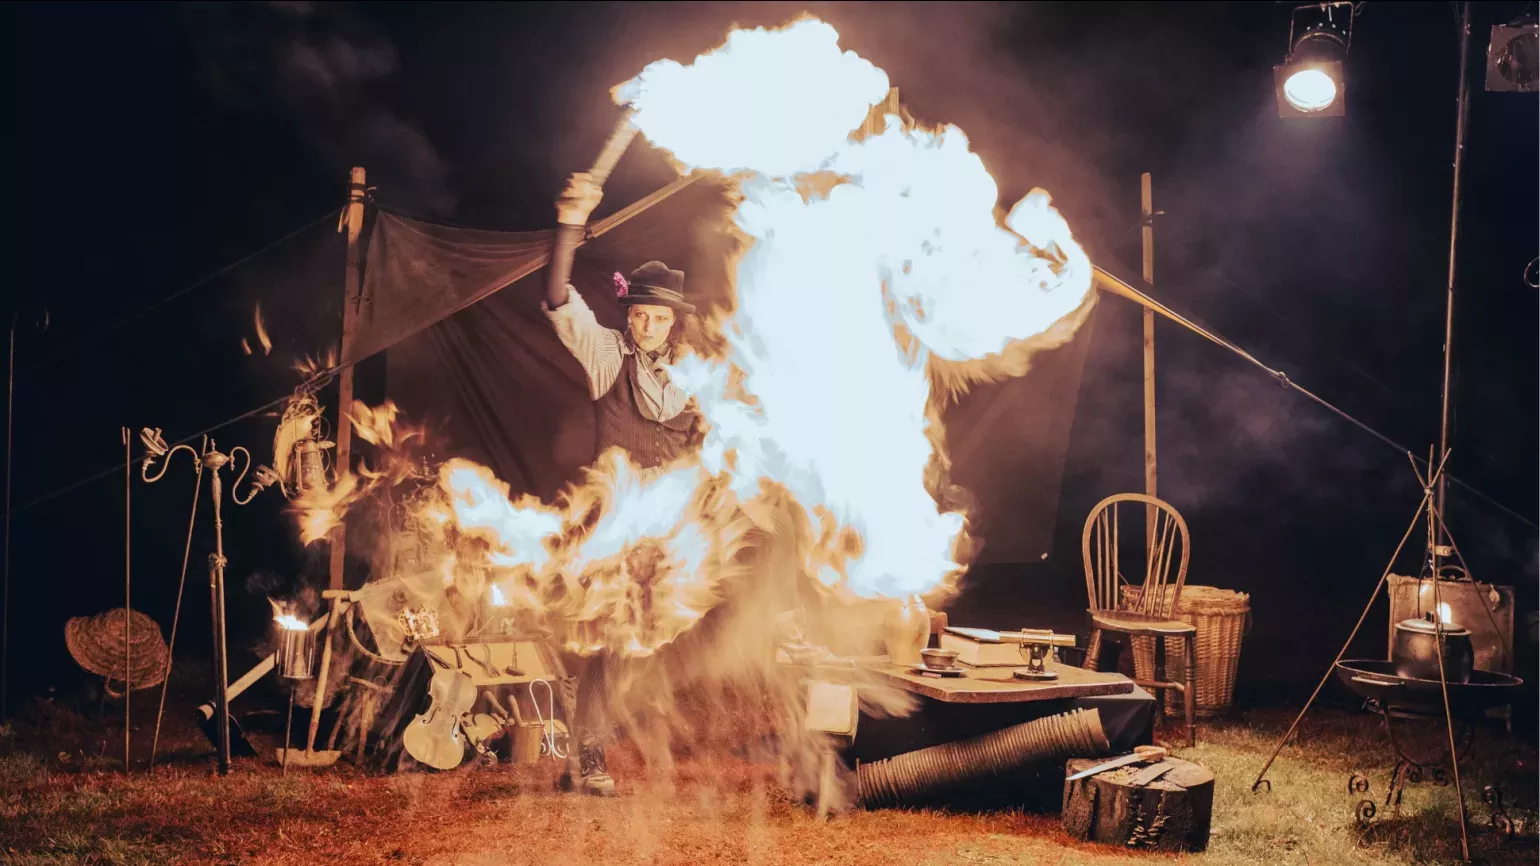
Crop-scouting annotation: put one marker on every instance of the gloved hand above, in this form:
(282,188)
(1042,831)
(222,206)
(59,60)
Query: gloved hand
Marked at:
(578,200)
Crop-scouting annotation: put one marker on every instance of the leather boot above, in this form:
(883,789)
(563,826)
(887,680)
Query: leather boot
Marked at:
(593,777)
(595,772)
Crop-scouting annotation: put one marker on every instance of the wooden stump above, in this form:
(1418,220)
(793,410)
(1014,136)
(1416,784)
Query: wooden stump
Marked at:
(1170,813)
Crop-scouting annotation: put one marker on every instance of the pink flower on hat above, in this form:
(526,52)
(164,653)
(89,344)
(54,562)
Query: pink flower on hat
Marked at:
(621,286)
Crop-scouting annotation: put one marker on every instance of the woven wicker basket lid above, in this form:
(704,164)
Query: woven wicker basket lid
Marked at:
(1209,599)
(97,644)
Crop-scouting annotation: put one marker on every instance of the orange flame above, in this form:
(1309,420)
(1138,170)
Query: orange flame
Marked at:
(892,265)
(286,620)
(262,337)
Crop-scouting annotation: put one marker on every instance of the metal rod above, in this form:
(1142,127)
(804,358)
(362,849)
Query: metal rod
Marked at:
(128,588)
(1443,687)
(1427,499)
(1462,123)
(1437,510)
(1107,282)
(1151,472)
(176,616)
(288,728)
(1491,617)
(214,460)
(5,593)
(1433,548)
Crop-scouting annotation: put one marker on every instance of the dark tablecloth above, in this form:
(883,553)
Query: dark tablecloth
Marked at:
(1128,720)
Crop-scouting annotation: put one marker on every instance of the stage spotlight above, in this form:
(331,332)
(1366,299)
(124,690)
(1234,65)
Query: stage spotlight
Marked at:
(1311,80)
(1513,58)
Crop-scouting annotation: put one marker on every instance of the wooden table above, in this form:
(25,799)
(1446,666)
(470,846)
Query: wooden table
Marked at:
(996,685)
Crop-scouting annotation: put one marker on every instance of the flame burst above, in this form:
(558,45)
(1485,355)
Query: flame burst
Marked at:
(870,256)
(873,261)
(875,283)
(286,620)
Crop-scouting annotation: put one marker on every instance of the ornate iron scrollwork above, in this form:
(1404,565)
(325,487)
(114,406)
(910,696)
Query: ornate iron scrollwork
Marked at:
(1496,815)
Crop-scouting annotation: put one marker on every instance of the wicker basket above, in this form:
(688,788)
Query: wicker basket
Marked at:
(1222,617)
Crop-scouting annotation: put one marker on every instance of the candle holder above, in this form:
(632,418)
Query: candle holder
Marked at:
(294,659)
(294,655)
(211,461)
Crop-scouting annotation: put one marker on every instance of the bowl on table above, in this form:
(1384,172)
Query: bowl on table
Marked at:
(939,659)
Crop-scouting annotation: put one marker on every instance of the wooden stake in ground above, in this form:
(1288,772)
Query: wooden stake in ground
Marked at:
(176,616)
(352,295)
(1151,475)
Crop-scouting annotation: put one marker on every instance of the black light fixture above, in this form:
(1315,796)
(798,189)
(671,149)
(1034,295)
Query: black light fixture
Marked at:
(1311,81)
(1513,58)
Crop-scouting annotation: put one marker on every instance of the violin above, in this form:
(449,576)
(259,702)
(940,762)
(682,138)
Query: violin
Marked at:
(435,736)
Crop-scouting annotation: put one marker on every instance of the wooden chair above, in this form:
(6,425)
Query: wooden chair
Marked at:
(1148,614)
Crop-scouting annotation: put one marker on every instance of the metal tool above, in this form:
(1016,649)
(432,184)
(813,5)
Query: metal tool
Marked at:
(1150,774)
(1140,754)
(486,664)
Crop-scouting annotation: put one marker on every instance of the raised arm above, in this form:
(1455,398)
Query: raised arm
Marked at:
(573,208)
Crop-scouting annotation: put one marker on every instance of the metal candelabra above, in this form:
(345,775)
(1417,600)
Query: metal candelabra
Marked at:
(210,462)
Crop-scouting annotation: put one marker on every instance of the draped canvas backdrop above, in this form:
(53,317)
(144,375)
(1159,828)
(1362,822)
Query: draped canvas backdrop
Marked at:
(471,355)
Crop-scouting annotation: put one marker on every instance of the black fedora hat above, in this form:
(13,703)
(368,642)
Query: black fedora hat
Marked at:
(654,284)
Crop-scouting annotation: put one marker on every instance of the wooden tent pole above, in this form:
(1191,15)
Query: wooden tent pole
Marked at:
(352,295)
(1151,472)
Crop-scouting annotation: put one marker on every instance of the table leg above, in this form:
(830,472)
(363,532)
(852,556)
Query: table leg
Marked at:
(1190,698)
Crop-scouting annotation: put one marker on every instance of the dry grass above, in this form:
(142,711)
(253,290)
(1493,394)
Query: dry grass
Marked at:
(72,804)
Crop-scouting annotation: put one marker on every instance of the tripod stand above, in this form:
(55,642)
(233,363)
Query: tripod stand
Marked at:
(1435,523)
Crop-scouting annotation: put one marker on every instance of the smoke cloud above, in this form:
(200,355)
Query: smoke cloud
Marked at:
(331,74)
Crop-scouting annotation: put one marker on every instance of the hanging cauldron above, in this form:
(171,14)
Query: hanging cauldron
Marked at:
(294,657)
(1415,654)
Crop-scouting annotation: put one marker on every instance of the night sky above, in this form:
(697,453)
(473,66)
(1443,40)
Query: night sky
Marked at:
(150,145)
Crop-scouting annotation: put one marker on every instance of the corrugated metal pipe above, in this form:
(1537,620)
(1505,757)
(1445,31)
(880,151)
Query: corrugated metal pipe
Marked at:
(890,782)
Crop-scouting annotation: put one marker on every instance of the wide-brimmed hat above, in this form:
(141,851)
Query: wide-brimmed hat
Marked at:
(654,284)
(97,643)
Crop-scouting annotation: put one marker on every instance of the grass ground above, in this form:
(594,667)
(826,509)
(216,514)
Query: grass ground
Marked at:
(64,799)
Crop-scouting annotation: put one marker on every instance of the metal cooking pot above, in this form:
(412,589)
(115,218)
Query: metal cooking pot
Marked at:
(1415,654)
